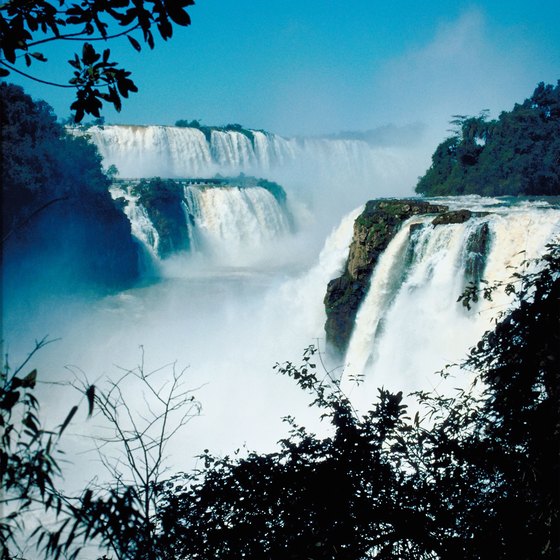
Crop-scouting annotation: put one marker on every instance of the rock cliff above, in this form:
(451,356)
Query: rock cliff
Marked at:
(373,230)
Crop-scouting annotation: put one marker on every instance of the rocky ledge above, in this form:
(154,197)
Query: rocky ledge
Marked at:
(373,230)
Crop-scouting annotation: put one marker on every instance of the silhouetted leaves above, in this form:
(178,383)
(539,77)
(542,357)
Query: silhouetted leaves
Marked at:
(21,24)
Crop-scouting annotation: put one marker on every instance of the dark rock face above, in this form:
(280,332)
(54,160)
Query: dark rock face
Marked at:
(163,202)
(373,230)
(477,249)
(453,217)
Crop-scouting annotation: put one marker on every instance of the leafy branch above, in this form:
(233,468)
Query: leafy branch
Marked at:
(88,21)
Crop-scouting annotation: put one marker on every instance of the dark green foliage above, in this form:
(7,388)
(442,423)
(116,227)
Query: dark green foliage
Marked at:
(331,498)
(183,123)
(517,154)
(25,25)
(55,199)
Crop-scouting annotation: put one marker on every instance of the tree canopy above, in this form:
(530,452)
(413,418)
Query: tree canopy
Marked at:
(55,199)
(517,154)
(25,26)
(40,161)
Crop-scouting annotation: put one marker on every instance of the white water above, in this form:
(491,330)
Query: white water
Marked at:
(231,224)
(140,224)
(350,171)
(410,324)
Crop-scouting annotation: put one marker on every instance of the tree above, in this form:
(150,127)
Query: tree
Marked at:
(56,202)
(517,154)
(96,79)
(133,449)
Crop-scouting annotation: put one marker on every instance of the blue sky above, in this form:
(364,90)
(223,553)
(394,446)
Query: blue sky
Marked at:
(314,67)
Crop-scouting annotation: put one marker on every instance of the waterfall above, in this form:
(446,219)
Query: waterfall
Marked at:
(231,225)
(410,323)
(148,151)
(168,151)
(302,297)
(316,163)
(140,224)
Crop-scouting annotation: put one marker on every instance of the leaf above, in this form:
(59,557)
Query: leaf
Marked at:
(29,380)
(4,72)
(39,56)
(30,423)
(90,395)
(68,419)
(178,15)
(89,55)
(134,43)
(9,400)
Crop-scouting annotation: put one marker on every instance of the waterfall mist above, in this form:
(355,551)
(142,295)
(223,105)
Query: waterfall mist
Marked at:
(250,291)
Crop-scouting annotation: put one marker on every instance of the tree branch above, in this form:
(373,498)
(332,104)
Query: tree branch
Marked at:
(13,69)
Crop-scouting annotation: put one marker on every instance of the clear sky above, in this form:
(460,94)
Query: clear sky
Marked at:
(320,66)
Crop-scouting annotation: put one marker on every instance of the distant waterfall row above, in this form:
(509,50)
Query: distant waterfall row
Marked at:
(228,223)
(410,324)
(167,151)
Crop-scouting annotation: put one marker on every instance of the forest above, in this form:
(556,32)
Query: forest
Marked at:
(516,155)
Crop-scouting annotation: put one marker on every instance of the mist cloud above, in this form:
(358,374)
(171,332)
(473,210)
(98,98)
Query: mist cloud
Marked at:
(465,68)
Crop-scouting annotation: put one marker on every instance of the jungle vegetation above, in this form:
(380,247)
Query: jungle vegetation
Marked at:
(517,154)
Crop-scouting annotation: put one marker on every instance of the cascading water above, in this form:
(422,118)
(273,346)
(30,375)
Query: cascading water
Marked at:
(228,224)
(410,324)
(140,223)
(231,223)
(309,165)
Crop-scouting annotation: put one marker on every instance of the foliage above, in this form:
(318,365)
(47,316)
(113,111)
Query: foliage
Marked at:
(55,196)
(29,468)
(40,161)
(183,123)
(26,25)
(474,475)
(517,154)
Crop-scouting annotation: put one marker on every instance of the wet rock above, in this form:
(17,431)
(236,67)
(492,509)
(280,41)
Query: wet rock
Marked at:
(373,230)
(453,217)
